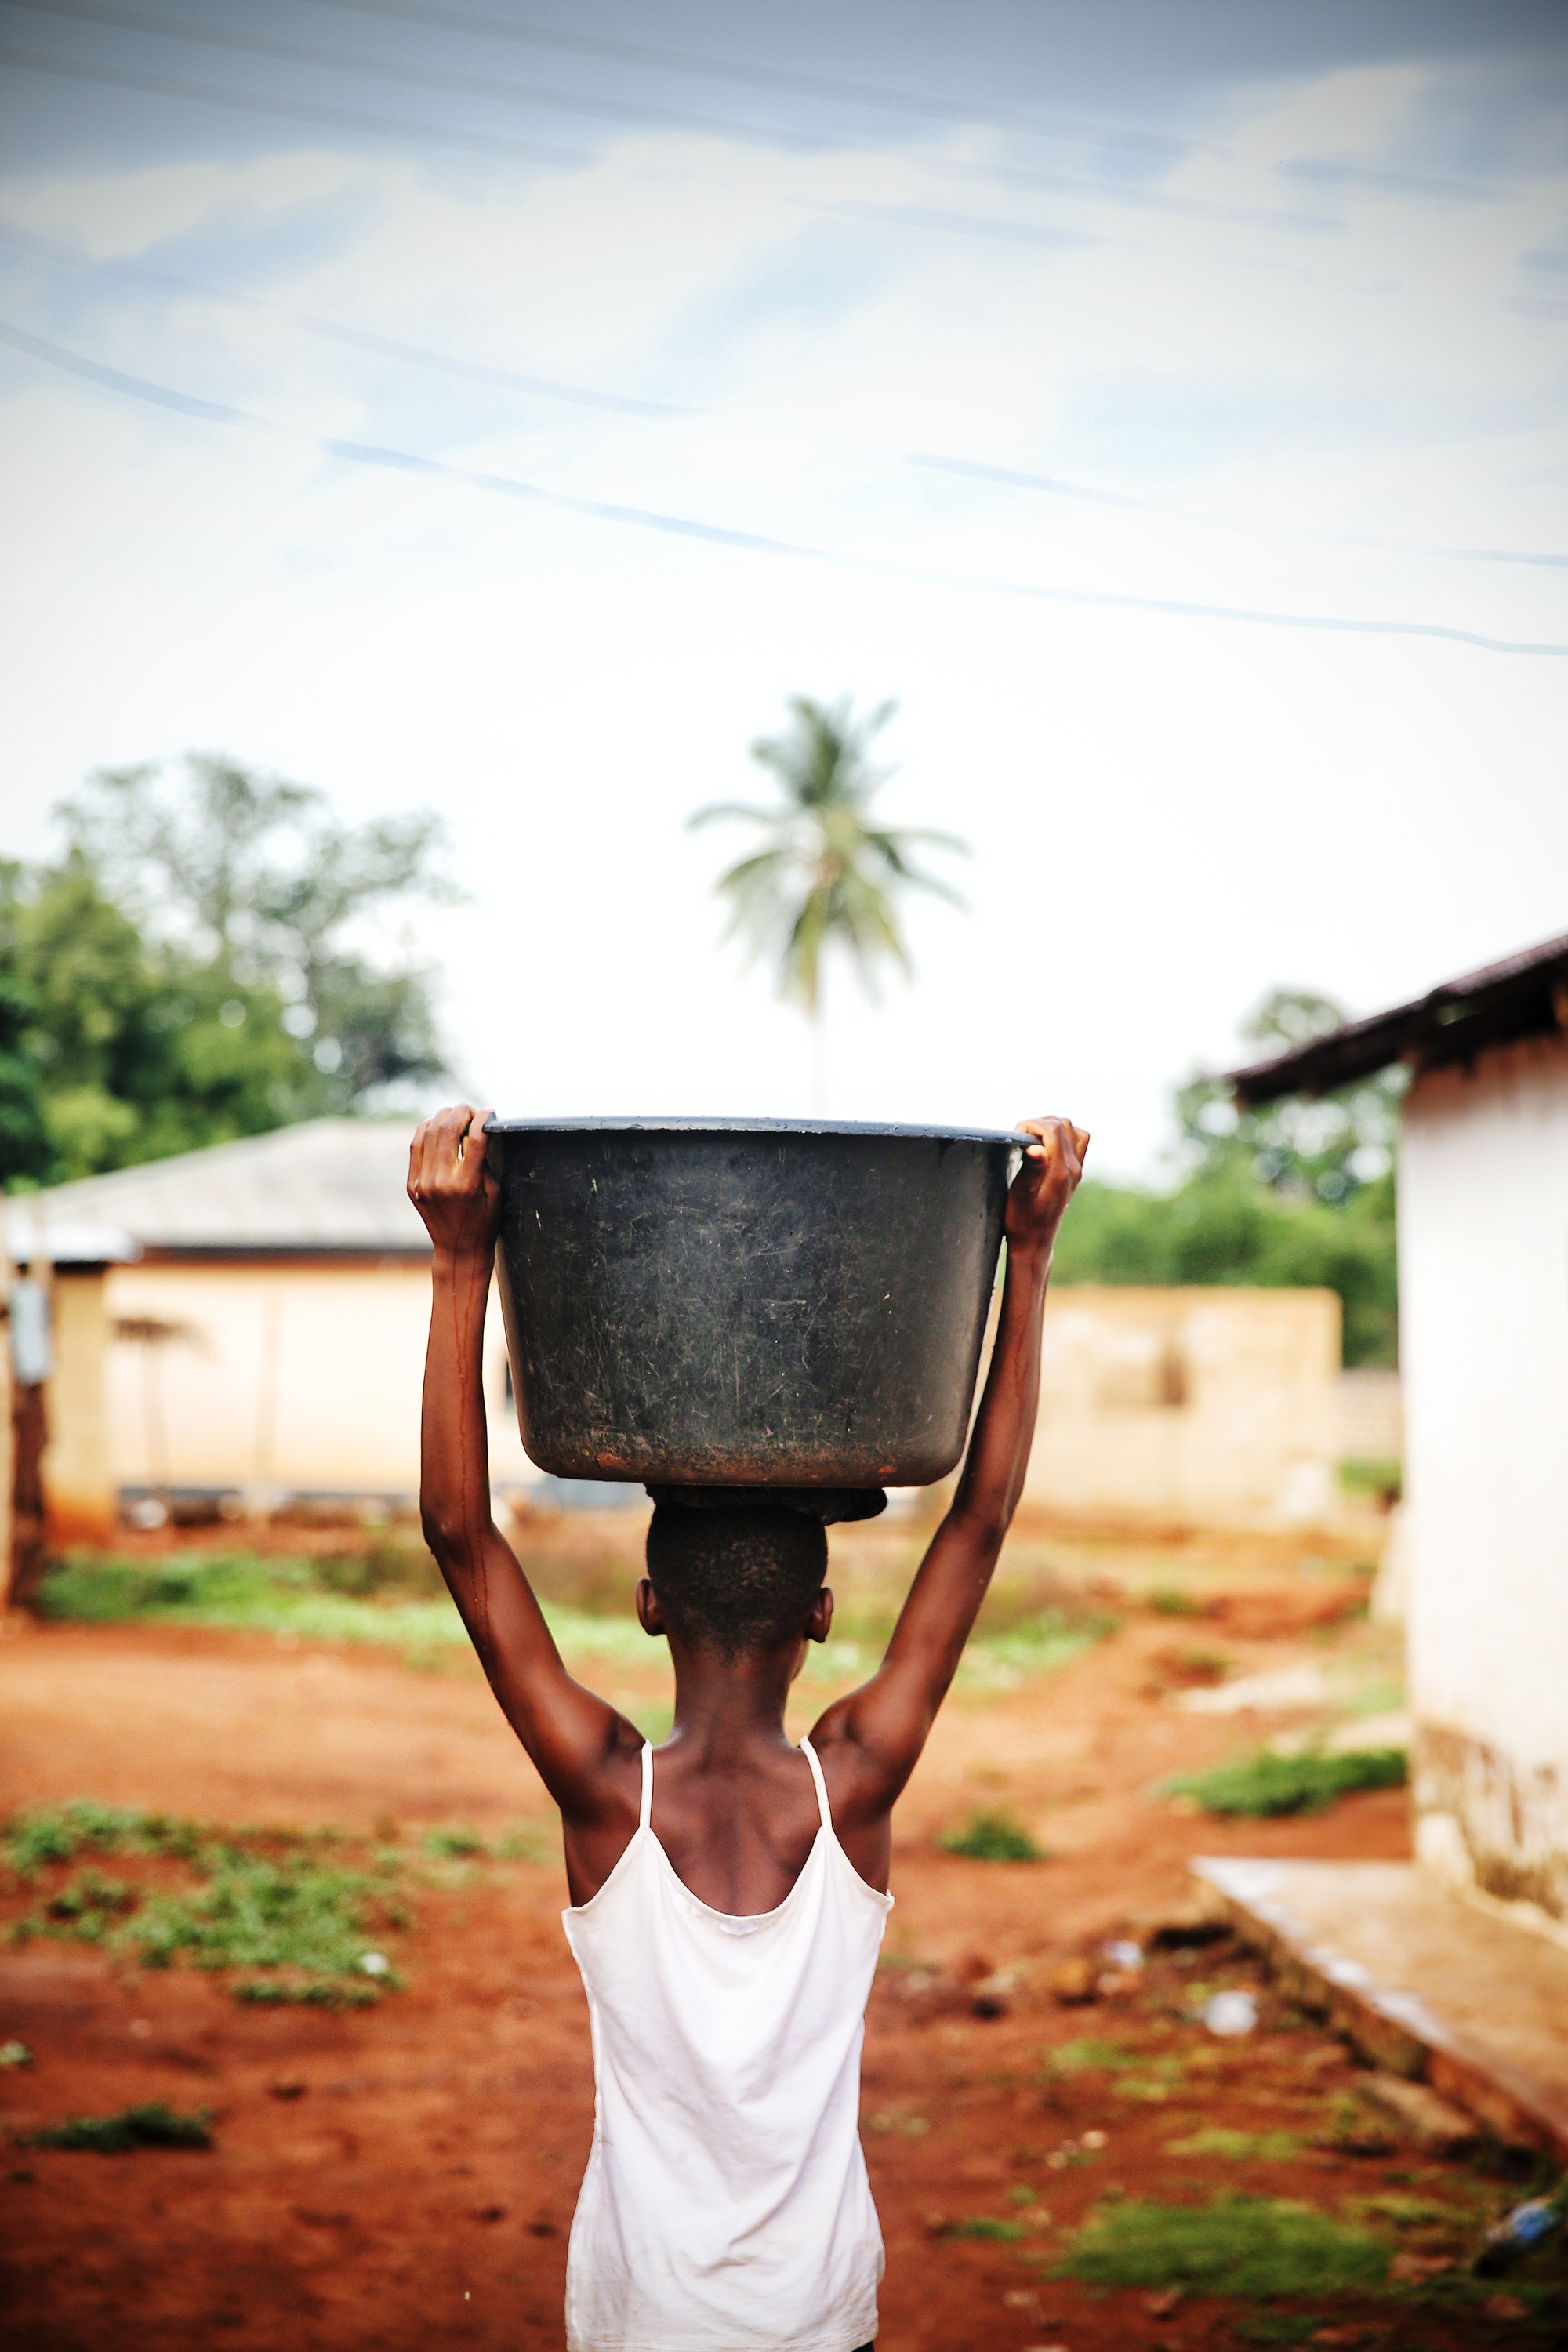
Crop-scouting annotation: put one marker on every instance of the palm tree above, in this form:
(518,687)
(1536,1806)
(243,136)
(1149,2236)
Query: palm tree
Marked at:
(826,872)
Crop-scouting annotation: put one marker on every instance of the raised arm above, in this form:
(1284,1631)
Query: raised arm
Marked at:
(582,1747)
(880,1730)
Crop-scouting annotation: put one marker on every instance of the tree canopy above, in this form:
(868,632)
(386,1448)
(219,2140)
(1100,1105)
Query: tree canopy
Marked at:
(197,966)
(1296,1194)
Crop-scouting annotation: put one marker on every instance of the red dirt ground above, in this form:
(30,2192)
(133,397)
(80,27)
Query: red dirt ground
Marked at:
(404,2177)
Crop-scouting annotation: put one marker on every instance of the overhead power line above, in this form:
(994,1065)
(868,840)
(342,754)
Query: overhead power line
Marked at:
(296,110)
(1080,187)
(485,87)
(918,105)
(506,485)
(554,388)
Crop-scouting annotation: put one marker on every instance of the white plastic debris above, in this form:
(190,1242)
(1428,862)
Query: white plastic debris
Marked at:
(1230,2012)
(1123,1955)
(376,1964)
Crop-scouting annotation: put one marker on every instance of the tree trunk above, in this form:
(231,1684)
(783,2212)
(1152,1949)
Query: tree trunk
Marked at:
(29,1434)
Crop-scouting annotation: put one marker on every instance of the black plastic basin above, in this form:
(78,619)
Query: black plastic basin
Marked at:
(752,1303)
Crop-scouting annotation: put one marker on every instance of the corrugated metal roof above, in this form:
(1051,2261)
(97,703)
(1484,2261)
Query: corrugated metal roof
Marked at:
(326,1184)
(1525,995)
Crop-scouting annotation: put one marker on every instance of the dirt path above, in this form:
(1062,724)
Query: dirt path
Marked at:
(406,2176)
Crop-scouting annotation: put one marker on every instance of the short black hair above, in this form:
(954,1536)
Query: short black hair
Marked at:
(735,1579)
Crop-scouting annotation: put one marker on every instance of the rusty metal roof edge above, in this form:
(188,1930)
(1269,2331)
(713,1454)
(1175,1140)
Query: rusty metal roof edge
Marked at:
(1359,1043)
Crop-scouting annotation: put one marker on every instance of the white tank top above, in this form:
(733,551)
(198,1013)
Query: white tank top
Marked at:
(725,2206)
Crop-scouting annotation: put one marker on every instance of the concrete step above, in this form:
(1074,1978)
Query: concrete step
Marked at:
(1427,1984)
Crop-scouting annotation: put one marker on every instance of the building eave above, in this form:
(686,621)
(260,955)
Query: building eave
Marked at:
(1525,995)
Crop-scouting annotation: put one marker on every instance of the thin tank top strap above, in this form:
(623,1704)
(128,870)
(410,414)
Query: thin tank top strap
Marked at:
(645,1814)
(809,1752)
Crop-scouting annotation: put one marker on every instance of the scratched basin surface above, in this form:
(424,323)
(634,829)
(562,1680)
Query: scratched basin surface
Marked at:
(747,1303)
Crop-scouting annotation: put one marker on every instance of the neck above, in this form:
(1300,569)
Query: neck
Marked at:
(726,1705)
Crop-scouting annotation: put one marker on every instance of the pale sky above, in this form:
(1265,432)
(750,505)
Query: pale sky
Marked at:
(1165,405)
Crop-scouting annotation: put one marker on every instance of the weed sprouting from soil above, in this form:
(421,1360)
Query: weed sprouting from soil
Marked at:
(991,1837)
(1265,1785)
(1006,2234)
(150,2126)
(1234,2245)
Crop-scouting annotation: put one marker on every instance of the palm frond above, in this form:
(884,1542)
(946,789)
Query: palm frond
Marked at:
(826,872)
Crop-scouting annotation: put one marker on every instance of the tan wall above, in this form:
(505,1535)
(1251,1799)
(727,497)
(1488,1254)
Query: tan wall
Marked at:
(1188,1408)
(268,1379)
(1198,1408)
(78,1484)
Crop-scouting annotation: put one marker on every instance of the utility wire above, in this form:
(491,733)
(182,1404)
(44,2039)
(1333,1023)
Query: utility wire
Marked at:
(296,110)
(919,105)
(554,388)
(415,76)
(1079,187)
(718,534)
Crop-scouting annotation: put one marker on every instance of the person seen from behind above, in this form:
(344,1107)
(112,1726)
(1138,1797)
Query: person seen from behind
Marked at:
(728,1892)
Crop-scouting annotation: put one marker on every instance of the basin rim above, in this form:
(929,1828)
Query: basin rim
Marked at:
(655,1126)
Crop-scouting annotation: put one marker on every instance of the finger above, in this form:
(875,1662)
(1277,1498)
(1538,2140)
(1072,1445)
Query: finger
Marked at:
(429,1142)
(476,1143)
(416,1152)
(454,1125)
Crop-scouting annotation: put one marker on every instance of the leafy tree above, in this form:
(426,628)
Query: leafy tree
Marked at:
(826,872)
(181,977)
(1296,1194)
(1327,1149)
(256,875)
(24,1137)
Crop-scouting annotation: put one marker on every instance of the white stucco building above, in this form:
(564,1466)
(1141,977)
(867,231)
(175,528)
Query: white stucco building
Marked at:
(1483,1320)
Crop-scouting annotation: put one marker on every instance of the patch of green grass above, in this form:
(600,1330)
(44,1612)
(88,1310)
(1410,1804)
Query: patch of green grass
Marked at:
(1170,1600)
(314,1600)
(453,1844)
(523,1842)
(284,1905)
(991,1837)
(1234,2245)
(267,1992)
(59,1832)
(1087,2056)
(1154,2084)
(151,2126)
(1265,1785)
(1378,1482)
(1279,2327)
(1004,2234)
(1040,1644)
(1239,2147)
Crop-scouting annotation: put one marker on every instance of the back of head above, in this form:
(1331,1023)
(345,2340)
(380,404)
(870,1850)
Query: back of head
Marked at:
(734,1581)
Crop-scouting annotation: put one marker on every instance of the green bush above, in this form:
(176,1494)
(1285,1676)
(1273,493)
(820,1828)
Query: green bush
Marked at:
(1264,1785)
(1224,1226)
